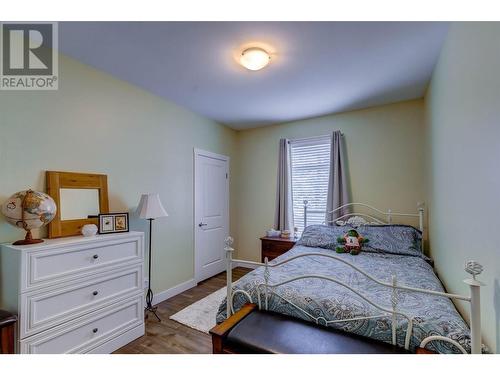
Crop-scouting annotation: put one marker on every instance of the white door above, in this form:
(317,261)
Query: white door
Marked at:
(211,212)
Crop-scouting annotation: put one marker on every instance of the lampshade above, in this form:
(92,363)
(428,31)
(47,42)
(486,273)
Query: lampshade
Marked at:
(150,207)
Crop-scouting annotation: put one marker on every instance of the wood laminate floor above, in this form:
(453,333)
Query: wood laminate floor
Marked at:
(171,337)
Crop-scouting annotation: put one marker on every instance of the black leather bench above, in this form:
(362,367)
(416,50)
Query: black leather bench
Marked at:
(253,331)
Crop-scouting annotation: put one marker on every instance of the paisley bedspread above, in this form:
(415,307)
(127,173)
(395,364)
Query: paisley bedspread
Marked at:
(431,315)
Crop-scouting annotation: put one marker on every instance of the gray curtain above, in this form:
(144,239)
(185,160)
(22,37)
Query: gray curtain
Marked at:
(283,218)
(338,192)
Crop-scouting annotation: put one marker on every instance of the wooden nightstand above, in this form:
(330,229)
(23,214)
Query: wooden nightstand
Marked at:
(273,247)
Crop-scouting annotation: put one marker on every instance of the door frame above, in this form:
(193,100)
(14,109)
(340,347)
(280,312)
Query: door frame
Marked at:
(196,153)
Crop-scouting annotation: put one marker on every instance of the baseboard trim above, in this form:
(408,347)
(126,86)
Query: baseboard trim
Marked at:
(171,292)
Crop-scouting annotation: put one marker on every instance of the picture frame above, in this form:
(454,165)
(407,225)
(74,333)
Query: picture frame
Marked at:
(113,223)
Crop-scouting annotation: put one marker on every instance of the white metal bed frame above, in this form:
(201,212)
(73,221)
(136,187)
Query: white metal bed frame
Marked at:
(266,289)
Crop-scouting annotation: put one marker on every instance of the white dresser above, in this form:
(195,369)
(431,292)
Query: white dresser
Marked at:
(76,294)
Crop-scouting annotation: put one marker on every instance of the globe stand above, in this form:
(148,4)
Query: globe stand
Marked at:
(28,240)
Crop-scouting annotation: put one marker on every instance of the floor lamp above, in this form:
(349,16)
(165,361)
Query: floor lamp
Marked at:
(150,208)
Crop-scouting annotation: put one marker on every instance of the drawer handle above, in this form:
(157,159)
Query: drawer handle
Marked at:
(95,292)
(95,330)
(95,256)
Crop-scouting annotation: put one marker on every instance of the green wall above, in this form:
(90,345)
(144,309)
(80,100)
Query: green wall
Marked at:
(385,164)
(96,123)
(463,133)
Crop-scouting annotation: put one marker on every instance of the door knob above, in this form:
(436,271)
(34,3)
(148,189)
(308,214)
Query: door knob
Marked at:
(202,224)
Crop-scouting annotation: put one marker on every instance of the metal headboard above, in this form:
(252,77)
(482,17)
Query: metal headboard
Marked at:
(388,215)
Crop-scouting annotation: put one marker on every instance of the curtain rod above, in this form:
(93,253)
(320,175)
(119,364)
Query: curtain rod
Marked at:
(314,137)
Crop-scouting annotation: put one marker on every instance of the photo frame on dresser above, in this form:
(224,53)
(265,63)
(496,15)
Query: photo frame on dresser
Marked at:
(113,223)
(80,198)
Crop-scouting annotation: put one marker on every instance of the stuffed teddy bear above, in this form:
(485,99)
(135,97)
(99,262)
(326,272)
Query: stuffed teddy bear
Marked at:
(352,242)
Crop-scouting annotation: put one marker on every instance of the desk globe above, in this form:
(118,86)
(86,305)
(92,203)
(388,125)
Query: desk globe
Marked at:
(29,210)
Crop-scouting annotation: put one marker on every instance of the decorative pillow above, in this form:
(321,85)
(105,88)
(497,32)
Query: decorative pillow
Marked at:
(393,239)
(324,236)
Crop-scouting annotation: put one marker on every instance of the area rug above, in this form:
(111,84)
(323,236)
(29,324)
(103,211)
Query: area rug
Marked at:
(201,314)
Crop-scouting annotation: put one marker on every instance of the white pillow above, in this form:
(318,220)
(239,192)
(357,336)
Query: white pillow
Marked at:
(353,221)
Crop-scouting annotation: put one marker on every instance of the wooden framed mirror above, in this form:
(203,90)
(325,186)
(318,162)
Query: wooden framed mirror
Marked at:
(79,197)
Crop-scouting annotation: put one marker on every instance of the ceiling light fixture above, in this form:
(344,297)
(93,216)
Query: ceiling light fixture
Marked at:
(254,58)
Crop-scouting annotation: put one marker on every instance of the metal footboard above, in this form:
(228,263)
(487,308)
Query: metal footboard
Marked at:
(266,289)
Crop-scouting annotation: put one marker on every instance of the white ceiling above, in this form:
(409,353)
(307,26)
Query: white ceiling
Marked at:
(317,68)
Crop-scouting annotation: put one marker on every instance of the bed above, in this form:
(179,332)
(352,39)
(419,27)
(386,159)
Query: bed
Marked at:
(388,292)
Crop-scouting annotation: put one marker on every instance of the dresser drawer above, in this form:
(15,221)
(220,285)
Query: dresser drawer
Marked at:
(46,267)
(44,310)
(84,334)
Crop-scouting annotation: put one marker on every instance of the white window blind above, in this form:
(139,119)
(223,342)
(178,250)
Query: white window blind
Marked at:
(310,160)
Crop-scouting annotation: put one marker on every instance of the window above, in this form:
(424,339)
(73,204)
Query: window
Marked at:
(310,160)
